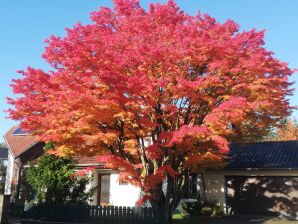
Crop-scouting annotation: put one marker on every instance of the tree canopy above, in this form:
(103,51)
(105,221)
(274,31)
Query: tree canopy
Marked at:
(155,94)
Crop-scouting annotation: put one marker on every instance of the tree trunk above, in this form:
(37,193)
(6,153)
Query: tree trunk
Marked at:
(162,212)
(166,203)
(203,198)
(161,206)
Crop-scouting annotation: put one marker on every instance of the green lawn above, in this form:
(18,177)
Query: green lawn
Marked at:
(182,219)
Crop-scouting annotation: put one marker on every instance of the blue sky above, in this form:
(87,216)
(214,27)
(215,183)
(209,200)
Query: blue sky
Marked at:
(24,25)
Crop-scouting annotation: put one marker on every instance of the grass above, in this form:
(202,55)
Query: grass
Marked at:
(184,219)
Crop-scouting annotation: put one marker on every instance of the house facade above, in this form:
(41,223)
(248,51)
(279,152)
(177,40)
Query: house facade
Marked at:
(3,164)
(259,179)
(24,147)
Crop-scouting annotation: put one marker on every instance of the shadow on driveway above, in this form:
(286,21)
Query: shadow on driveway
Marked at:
(247,220)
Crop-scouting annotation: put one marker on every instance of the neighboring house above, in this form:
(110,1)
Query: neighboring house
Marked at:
(23,148)
(260,178)
(3,164)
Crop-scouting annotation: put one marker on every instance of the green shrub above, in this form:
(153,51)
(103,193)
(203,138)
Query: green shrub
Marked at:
(201,209)
(54,180)
(206,211)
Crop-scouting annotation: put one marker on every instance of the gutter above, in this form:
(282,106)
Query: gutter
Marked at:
(254,169)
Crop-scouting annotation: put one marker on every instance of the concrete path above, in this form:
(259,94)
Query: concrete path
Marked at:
(14,221)
(248,220)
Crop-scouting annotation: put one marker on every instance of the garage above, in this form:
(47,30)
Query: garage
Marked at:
(259,179)
(265,195)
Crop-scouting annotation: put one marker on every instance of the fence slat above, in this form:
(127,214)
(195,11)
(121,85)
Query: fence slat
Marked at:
(124,215)
(93,214)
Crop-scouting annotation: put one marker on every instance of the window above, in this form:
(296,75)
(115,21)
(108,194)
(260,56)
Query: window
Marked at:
(19,131)
(4,162)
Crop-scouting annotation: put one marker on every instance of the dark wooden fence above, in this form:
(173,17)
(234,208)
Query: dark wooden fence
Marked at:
(93,214)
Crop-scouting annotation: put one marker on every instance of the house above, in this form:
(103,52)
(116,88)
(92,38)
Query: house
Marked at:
(260,178)
(3,164)
(24,147)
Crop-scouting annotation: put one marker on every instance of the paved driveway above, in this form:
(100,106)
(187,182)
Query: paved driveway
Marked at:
(247,220)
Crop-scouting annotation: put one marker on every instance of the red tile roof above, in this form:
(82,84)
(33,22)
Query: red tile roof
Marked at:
(22,142)
(80,160)
(18,144)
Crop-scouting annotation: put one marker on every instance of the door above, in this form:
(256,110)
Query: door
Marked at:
(103,189)
(270,195)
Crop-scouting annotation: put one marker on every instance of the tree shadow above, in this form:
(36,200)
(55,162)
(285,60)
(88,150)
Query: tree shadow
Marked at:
(246,220)
(262,196)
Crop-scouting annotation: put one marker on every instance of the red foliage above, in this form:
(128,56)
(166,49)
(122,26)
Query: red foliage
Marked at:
(154,180)
(85,171)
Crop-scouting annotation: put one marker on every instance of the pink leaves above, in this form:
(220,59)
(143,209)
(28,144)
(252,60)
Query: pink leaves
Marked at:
(84,172)
(195,137)
(126,7)
(188,132)
(152,181)
(154,151)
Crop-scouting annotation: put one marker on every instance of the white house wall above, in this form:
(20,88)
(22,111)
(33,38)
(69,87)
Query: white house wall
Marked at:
(9,174)
(124,194)
(120,194)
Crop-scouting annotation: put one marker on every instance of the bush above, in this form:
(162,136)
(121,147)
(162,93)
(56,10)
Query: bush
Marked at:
(201,209)
(54,180)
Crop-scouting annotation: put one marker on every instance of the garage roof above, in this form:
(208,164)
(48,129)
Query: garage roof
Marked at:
(264,155)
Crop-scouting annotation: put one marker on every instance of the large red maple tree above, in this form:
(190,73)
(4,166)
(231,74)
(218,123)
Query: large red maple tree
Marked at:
(156,94)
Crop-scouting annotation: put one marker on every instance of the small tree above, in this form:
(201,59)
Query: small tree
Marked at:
(287,131)
(3,144)
(54,180)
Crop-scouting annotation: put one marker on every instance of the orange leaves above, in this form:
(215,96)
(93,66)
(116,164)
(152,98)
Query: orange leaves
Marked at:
(131,146)
(232,111)
(120,164)
(286,132)
(205,161)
